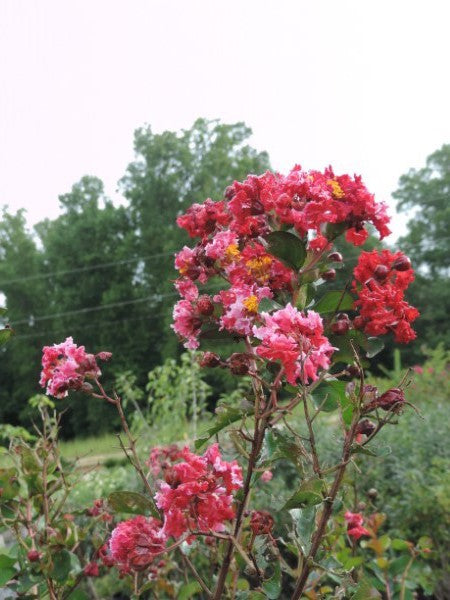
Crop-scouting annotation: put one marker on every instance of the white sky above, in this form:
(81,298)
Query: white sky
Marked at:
(360,84)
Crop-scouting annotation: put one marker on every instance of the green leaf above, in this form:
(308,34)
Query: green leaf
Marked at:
(398,544)
(378,452)
(305,294)
(329,395)
(6,561)
(272,587)
(5,335)
(309,494)
(288,248)
(224,418)
(278,445)
(374,346)
(6,575)
(9,484)
(304,521)
(267,305)
(61,565)
(132,502)
(365,591)
(188,590)
(333,301)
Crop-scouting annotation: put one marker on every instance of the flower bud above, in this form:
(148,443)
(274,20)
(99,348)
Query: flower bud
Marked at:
(353,371)
(91,570)
(261,522)
(372,493)
(34,556)
(329,275)
(381,272)
(239,363)
(359,322)
(391,400)
(365,427)
(402,263)
(205,306)
(335,257)
(340,327)
(342,317)
(209,359)
(104,355)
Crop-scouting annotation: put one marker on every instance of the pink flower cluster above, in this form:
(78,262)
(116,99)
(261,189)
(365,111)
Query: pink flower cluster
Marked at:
(381,279)
(195,495)
(296,340)
(66,366)
(354,525)
(232,243)
(135,543)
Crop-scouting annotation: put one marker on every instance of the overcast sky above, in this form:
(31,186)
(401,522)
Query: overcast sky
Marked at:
(363,85)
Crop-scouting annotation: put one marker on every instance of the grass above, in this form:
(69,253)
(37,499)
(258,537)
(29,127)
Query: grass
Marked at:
(103,445)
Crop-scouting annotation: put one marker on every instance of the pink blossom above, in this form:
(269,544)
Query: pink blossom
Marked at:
(296,340)
(197,492)
(135,543)
(187,323)
(266,476)
(240,305)
(354,525)
(217,247)
(66,366)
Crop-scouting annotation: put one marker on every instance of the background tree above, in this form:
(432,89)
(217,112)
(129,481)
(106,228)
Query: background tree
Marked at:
(424,195)
(103,273)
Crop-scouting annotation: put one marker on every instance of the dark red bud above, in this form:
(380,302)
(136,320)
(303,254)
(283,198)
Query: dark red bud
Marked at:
(239,363)
(329,275)
(402,263)
(365,427)
(205,306)
(340,327)
(335,257)
(34,556)
(381,272)
(391,400)
(359,322)
(353,371)
(210,359)
(261,522)
(342,317)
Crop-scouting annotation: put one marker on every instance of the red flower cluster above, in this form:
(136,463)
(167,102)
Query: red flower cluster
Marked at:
(296,340)
(197,492)
(66,366)
(232,243)
(135,543)
(381,279)
(196,495)
(354,525)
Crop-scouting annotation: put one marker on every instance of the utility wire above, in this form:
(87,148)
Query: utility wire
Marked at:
(87,268)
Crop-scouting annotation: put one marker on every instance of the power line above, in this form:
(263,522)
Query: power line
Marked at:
(87,268)
(84,327)
(95,308)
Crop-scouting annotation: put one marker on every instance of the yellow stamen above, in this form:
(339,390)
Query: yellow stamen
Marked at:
(251,304)
(232,252)
(183,270)
(337,190)
(259,268)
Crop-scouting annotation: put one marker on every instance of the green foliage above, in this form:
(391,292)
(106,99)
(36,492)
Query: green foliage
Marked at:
(424,193)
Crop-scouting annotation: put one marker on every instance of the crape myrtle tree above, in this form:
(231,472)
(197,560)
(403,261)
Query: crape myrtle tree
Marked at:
(267,245)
